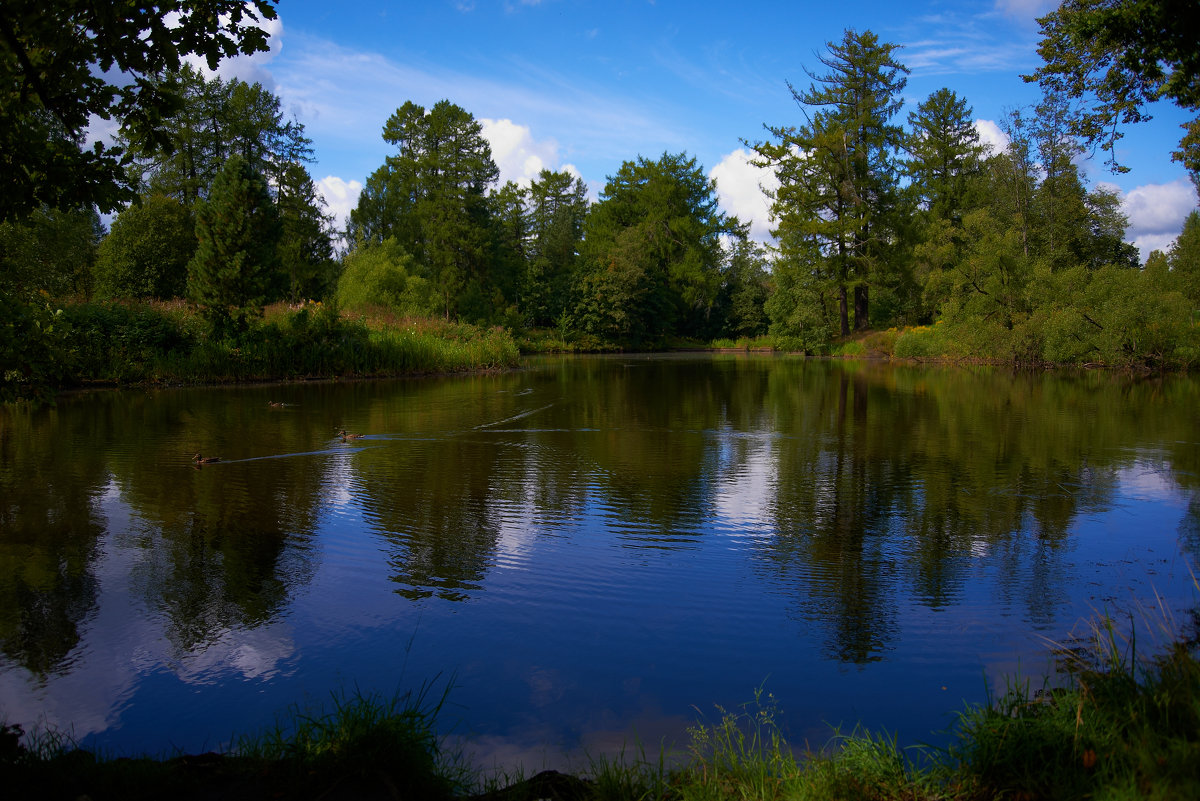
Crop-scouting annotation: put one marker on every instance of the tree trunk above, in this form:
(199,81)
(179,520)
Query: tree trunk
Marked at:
(861,307)
(843,310)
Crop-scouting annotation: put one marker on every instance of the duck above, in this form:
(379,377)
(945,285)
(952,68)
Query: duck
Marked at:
(198,459)
(275,404)
(346,437)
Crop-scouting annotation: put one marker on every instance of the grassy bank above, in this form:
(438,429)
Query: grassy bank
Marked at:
(129,343)
(1115,724)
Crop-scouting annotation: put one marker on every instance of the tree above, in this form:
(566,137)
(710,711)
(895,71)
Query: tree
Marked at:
(1184,260)
(50,250)
(839,173)
(306,258)
(746,289)
(431,195)
(509,226)
(146,253)
(943,154)
(380,275)
(557,208)
(216,120)
(63,63)
(653,254)
(1117,56)
(238,230)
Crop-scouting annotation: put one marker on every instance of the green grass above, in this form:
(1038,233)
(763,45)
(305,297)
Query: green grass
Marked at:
(745,343)
(130,342)
(1119,720)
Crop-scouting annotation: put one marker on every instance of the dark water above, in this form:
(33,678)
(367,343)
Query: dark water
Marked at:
(594,549)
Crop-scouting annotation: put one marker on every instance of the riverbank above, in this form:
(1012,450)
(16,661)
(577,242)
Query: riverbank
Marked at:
(1113,724)
(932,344)
(130,343)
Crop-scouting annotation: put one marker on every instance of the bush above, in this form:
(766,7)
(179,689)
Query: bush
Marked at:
(920,342)
(379,276)
(146,253)
(34,357)
(121,342)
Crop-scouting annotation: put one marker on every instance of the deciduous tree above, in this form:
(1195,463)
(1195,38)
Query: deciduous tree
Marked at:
(64,62)
(146,253)
(653,252)
(1119,55)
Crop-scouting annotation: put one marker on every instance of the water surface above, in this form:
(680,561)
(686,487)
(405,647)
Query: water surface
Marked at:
(592,549)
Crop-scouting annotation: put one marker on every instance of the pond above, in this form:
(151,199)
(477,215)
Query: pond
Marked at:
(592,551)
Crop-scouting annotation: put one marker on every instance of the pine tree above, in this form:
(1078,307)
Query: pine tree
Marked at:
(839,173)
(238,230)
(558,206)
(943,154)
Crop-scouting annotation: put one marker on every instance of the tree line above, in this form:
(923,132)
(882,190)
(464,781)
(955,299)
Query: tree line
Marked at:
(880,222)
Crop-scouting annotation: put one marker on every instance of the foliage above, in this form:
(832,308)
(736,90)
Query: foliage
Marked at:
(801,308)
(65,63)
(432,199)
(139,342)
(219,119)
(557,206)
(839,174)
(365,746)
(1122,726)
(364,741)
(50,250)
(120,342)
(238,231)
(146,253)
(744,293)
(306,258)
(1120,55)
(379,275)
(921,342)
(944,155)
(33,351)
(1184,260)
(652,253)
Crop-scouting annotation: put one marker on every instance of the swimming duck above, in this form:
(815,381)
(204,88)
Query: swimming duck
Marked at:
(275,404)
(346,437)
(198,459)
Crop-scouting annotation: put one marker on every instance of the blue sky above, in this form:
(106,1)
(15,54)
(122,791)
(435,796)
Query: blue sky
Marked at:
(584,86)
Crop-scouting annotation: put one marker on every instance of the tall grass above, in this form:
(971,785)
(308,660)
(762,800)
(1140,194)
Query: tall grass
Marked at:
(1120,721)
(367,742)
(1123,724)
(167,343)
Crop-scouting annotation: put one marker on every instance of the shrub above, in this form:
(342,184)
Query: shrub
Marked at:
(146,253)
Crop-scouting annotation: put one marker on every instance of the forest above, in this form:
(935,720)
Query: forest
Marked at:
(897,233)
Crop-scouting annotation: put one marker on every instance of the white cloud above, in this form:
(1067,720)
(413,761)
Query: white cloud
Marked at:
(252,68)
(344,96)
(340,197)
(1156,213)
(1025,9)
(520,157)
(991,135)
(740,186)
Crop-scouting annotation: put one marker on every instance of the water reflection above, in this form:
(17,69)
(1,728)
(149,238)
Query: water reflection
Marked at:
(579,534)
(50,527)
